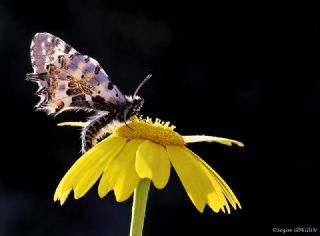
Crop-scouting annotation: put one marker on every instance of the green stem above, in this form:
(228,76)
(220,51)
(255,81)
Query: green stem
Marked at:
(140,198)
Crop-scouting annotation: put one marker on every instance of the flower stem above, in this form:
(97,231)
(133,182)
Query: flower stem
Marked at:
(140,198)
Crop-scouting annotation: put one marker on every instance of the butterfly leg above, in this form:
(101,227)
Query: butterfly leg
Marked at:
(35,77)
(93,131)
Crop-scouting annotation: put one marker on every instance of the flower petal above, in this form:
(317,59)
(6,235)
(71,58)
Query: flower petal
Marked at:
(83,124)
(121,175)
(64,196)
(73,123)
(192,176)
(153,162)
(92,173)
(224,186)
(205,138)
(215,199)
(86,164)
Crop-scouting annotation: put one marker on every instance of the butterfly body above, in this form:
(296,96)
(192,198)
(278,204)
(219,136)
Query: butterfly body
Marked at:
(69,80)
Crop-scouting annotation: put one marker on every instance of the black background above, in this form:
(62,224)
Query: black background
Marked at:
(247,71)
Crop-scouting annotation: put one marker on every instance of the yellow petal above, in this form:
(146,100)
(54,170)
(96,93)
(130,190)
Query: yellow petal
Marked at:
(64,196)
(192,176)
(102,159)
(76,124)
(215,199)
(121,175)
(83,124)
(205,138)
(153,162)
(225,188)
(88,160)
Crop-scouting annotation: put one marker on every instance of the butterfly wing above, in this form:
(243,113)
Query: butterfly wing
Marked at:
(68,79)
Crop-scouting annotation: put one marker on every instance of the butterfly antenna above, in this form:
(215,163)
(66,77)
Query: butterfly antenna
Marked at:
(142,83)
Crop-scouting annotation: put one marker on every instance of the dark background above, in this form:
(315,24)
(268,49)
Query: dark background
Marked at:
(247,71)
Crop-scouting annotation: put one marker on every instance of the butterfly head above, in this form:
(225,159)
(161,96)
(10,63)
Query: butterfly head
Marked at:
(134,105)
(137,103)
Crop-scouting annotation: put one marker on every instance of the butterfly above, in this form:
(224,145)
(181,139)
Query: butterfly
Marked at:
(70,80)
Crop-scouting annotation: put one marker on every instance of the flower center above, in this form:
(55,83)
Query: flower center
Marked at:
(158,131)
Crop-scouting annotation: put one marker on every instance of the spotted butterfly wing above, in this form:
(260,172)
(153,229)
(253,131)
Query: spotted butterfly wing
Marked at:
(69,80)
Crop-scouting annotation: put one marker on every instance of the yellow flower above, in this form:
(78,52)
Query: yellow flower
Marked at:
(147,149)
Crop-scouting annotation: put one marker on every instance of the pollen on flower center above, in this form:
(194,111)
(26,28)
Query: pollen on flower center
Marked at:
(158,131)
